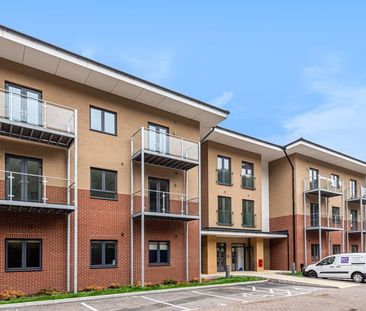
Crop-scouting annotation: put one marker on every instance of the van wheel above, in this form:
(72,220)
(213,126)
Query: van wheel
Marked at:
(312,274)
(358,277)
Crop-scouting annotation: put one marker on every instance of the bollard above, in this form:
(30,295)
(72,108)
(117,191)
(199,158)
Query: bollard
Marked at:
(227,271)
(293,268)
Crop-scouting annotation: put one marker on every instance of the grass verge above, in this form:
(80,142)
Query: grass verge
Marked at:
(298,274)
(129,289)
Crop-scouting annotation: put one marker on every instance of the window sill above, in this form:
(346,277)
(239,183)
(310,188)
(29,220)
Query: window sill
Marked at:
(159,265)
(24,270)
(101,132)
(222,224)
(250,227)
(247,188)
(223,184)
(103,267)
(101,198)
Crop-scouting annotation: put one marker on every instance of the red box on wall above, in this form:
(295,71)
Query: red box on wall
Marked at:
(260,263)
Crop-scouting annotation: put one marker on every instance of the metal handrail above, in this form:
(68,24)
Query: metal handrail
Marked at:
(165,134)
(34,175)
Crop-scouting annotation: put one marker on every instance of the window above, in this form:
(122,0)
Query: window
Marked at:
(224,211)
(314,252)
(103,254)
(159,139)
(247,175)
(224,171)
(354,248)
(103,121)
(248,213)
(314,215)
(327,261)
(159,253)
(313,178)
(335,181)
(353,189)
(103,184)
(336,249)
(23,255)
(354,220)
(23,104)
(335,216)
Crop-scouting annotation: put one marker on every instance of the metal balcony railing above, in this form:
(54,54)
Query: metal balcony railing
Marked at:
(38,190)
(224,217)
(40,113)
(248,182)
(165,144)
(354,225)
(327,221)
(161,202)
(356,193)
(224,177)
(324,184)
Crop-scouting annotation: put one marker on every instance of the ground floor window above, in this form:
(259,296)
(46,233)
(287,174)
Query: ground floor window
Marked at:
(336,249)
(314,252)
(354,248)
(103,254)
(23,255)
(159,253)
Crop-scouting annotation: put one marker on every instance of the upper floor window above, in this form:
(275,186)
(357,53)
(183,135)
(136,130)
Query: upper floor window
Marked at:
(336,215)
(247,175)
(353,188)
(248,213)
(103,254)
(354,248)
(103,183)
(314,215)
(313,178)
(103,121)
(224,211)
(159,139)
(336,249)
(224,170)
(23,255)
(314,252)
(335,181)
(23,104)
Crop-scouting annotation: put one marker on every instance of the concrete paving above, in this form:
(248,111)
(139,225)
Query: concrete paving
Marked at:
(228,297)
(279,276)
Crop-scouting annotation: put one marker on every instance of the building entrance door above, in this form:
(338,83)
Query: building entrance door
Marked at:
(221,256)
(237,257)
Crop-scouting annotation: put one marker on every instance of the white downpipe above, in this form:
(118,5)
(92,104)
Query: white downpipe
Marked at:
(305,241)
(142,208)
(200,216)
(76,205)
(68,218)
(131,220)
(186,225)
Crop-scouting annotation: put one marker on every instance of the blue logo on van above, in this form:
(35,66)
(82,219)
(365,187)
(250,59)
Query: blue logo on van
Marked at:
(344,259)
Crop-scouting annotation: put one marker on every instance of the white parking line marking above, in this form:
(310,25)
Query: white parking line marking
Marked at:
(253,288)
(223,297)
(289,293)
(271,290)
(89,307)
(163,302)
(222,305)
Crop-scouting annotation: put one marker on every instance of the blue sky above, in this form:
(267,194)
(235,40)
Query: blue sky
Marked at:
(284,69)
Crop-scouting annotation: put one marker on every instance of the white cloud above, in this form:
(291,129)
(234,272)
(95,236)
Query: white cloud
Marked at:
(223,99)
(338,121)
(152,68)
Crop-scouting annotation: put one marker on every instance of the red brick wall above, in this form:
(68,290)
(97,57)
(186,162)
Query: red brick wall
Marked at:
(98,220)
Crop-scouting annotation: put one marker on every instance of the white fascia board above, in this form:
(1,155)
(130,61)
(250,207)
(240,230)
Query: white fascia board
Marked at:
(322,150)
(17,38)
(248,139)
(244,234)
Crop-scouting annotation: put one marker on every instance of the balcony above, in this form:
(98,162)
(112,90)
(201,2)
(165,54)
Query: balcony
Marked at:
(224,177)
(29,192)
(36,120)
(326,186)
(355,195)
(164,149)
(224,217)
(328,222)
(165,205)
(248,182)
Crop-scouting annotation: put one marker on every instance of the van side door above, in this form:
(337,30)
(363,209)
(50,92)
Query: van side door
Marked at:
(326,267)
(343,267)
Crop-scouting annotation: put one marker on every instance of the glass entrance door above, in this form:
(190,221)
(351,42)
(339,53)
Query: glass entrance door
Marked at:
(158,195)
(237,257)
(221,255)
(26,182)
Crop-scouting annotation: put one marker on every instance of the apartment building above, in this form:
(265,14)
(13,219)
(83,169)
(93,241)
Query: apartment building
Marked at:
(317,195)
(235,202)
(99,172)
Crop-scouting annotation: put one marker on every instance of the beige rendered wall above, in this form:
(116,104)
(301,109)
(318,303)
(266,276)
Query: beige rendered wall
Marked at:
(236,192)
(98,149)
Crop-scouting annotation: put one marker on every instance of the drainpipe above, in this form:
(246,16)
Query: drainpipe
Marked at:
(293,267)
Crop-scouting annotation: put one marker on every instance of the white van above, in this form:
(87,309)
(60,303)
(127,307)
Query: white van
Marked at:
(340,266)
